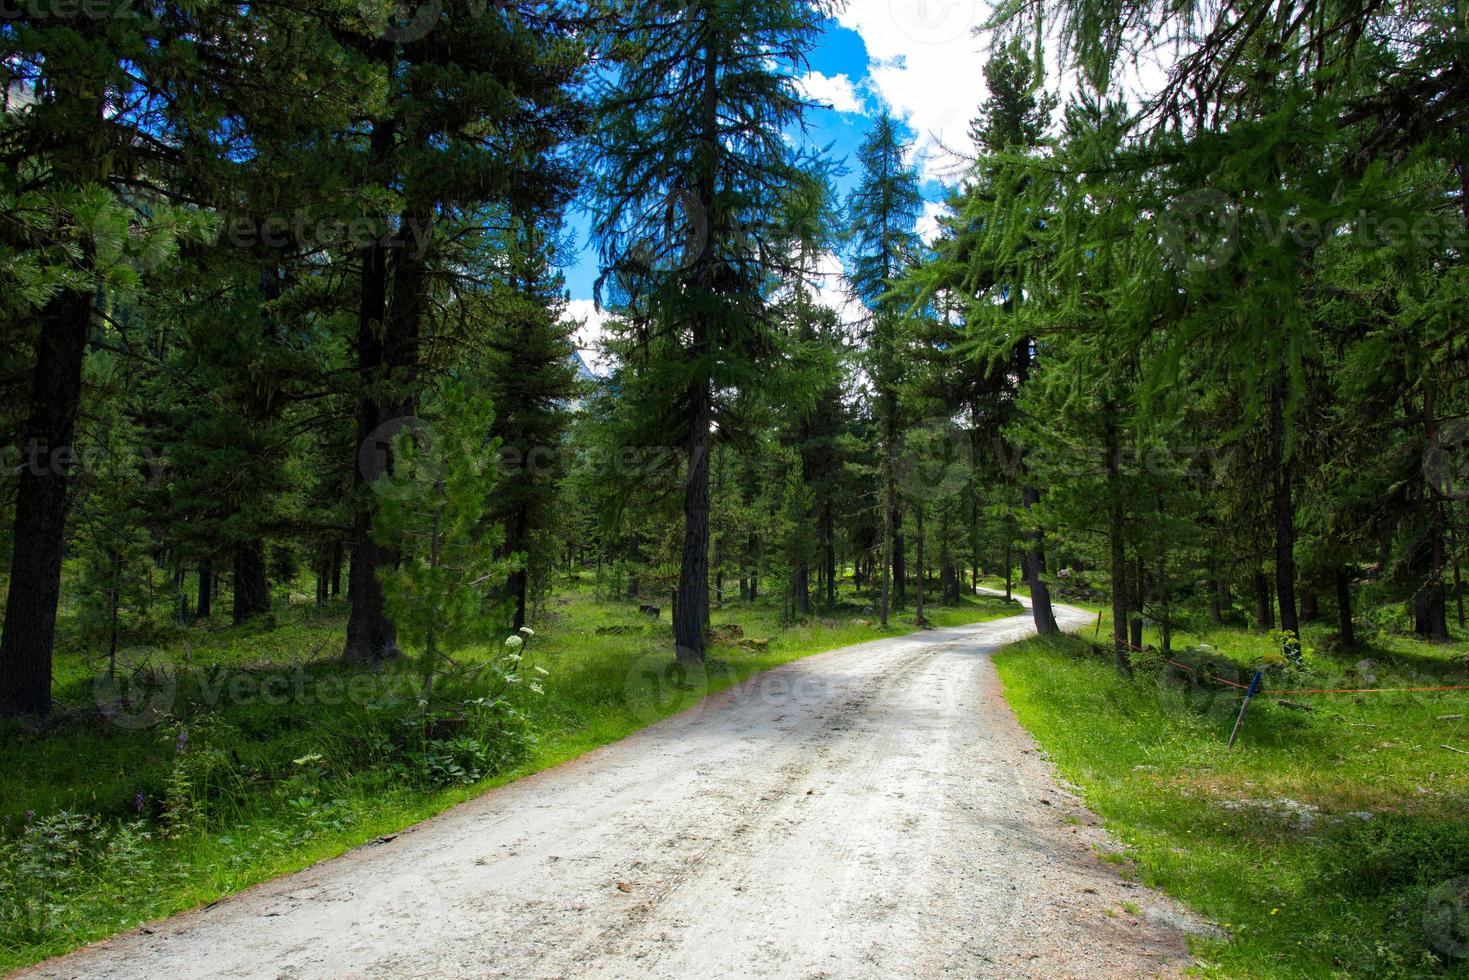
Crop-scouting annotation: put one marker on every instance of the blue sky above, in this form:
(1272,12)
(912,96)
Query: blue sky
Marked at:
(918,59)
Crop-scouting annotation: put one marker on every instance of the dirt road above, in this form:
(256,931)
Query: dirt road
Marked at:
(873,811)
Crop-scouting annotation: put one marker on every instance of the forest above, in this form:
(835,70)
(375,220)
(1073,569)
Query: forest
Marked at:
(295,399)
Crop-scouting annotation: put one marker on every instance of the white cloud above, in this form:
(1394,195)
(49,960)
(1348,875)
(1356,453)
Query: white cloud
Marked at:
(831,288)
(834,90)
(928,221)
(588,335)
(927,65)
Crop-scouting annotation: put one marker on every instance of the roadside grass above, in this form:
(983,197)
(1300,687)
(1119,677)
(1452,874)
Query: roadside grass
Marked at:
(1325,843)
(269,756)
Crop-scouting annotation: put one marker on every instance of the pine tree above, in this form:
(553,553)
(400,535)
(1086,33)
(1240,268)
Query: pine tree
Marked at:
(446,147)
(433,510)
(882,213)
(693,171)
(530,378)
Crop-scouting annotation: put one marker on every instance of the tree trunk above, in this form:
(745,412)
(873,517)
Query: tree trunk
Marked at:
(900,562)
(890,506)
(1035,560)
(252,588)
(336,568)
(1116,531)
(1136,583)
(40,506)
(1435,599)
(206,589)
(691,603)
(801,589)
(752,550)
(1264,608)
(1285,518)
(922,569)
(1459,591)
(1344,608)
(829,531)
(1009,568)
(517,581)
(1309,610)
(371,637)
(1216,612)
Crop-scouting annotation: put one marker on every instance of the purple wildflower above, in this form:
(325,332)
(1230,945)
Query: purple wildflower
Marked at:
(139,801)
(182,742)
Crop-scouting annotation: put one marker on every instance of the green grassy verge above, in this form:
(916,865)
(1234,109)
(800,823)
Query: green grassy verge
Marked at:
(269,757)
(1330,842)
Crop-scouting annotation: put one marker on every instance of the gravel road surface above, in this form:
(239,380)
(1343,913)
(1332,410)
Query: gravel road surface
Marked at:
(873,811)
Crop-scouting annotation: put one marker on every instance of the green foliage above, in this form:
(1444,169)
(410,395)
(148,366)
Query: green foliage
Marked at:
(432,510)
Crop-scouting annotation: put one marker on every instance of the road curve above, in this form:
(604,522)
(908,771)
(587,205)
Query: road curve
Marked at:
(867,812)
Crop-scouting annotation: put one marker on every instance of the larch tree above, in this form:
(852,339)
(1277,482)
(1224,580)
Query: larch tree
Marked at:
(693,167)
(882,215)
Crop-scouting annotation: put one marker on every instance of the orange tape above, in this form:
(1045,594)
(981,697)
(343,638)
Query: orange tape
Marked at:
(1325,690)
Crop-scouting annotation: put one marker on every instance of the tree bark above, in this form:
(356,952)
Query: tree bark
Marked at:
(690,611)
(1035,561)
(1459,591)
(1009,567)
(801,589)
(1435,598)
(900,562)
(517,581)
(829,532)
(922,570)
(392,363)
(1345,625)
(1116,535)
(371,638)
(890,506)
(1285,518)
(336,568)
(40,506)
(252,588)
(206,589)
(1264,607)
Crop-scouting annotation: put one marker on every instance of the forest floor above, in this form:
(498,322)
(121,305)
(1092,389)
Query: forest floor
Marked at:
(871,811)
(260,755)
(1329,842)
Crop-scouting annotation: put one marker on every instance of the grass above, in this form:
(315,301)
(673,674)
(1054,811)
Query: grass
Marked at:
(269,756)
(1325,842)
